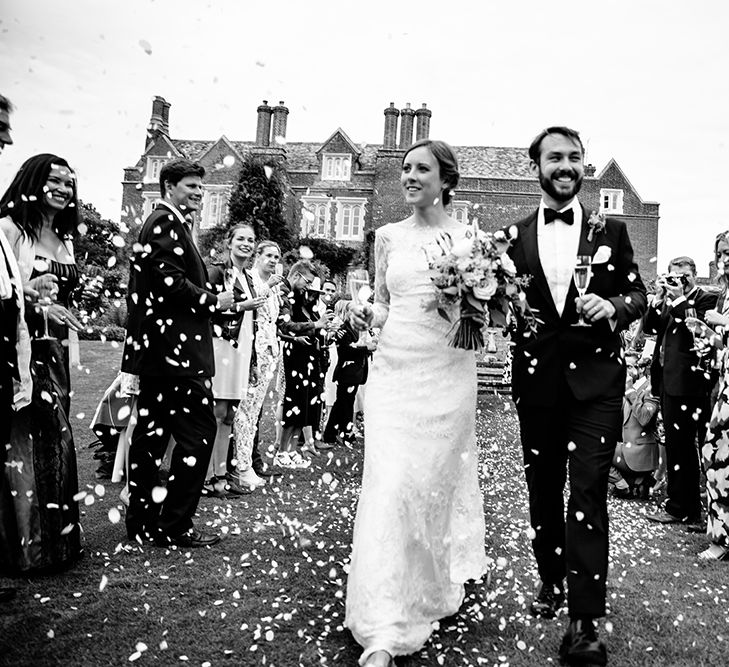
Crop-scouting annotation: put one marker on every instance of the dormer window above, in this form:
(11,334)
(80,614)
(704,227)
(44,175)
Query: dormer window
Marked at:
(215,205)
(336,167)
(154,166)
(460,212)
(611,201)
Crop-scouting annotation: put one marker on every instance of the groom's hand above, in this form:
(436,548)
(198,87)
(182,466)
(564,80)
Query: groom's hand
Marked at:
(594,307)
(360,317)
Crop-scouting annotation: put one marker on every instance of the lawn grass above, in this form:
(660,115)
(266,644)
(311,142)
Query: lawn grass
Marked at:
(272,593)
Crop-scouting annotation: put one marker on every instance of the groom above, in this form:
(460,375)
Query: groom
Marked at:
(568,383)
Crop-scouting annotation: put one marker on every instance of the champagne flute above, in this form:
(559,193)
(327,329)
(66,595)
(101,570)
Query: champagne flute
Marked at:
(358,285)
(45,306)
(582,275)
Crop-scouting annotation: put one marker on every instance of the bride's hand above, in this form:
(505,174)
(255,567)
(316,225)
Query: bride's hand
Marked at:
(360,317)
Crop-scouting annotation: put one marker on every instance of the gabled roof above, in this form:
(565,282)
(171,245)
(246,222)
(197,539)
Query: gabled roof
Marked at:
(612,164)
(223,142)
(341,133)
(162,145)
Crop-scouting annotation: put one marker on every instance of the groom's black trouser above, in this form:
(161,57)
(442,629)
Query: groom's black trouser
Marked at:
(579,437)
(181,408)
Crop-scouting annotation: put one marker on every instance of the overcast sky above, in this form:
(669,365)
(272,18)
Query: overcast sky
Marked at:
(645,82)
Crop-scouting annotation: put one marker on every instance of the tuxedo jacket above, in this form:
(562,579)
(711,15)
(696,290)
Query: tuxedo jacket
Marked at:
(683,372)
(169,302)
(588,359)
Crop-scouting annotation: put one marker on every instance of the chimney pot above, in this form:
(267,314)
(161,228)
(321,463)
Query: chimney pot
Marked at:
(391,114)
(422,116)
(263,127)
(406,126)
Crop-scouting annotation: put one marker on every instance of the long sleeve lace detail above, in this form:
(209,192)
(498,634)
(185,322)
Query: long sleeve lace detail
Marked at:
(381,306)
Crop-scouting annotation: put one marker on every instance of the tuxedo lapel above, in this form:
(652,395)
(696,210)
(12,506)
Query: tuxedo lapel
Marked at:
(531,253)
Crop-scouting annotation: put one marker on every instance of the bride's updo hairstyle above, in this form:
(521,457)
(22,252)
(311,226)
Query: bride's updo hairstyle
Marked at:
(447,162)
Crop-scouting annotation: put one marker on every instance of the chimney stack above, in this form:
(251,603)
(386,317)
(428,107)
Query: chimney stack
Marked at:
(590,170)
(391,114)
(279,123)
(422,116)
(263,129)
(406,126)
(158,121)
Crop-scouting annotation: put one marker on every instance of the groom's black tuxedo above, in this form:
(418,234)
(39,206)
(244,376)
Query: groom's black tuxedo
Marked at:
(568,384)
(169,345)
(588,359)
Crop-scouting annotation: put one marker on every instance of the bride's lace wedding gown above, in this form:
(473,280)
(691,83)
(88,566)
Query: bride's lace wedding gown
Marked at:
(419,529)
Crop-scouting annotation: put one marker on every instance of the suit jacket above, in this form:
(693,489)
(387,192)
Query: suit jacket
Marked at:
(589,359)
(352,362)
(639,448)
(169,301)
(683,372)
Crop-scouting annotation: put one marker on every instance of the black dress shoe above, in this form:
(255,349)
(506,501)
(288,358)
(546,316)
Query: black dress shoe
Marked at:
(549,599)
(7,594)
(192,539)
(581,647)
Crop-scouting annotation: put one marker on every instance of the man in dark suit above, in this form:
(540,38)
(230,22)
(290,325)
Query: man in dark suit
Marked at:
(683,381)
(169,345)
(568,383)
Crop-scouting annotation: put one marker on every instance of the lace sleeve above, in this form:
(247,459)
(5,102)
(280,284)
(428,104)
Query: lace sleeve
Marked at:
(381,306)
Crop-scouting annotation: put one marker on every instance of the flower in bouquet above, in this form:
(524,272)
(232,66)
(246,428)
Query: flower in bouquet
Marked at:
(476,278)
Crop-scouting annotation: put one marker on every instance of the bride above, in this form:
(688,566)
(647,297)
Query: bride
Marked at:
(419,529)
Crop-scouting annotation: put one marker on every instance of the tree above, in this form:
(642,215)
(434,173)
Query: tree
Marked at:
(336,258)
(258,199)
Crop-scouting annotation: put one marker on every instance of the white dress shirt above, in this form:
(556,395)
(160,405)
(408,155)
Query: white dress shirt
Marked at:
(557,243)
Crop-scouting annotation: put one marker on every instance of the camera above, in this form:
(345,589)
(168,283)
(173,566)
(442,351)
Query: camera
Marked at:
(673,279)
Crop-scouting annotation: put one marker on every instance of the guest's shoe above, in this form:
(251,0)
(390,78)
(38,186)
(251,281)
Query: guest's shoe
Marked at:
(298,461)
(714,552)
(214,488)
(548,601)
(7,594)
(192,539)
(249,480)
(379,659)
(699,527)
(581,647)
(623,494)
(262,470)
(662,516)
(322,446)
(234,488)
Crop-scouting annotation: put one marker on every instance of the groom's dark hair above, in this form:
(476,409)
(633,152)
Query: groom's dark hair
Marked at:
(535,148)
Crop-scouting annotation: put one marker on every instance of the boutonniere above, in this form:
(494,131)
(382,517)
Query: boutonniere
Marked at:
(597,224)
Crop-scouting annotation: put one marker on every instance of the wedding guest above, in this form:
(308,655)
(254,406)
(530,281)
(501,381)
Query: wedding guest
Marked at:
(302,327)
(636,455)
(14,339)
(40,529)
(248,413)
(233,334)
(568,383)
(715,451)
(351,371)
(169,346)
(680,377)
(419,530)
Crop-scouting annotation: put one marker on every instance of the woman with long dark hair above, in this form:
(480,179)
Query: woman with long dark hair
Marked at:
(39,520)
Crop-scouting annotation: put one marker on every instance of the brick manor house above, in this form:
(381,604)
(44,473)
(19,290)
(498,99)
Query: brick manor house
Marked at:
(341,189)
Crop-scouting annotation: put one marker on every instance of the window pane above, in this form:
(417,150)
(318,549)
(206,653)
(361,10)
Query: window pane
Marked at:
(356,219)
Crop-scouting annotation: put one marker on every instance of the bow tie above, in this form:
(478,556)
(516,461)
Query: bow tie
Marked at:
(550,215)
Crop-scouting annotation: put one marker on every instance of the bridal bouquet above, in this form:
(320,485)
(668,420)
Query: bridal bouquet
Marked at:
(475,275)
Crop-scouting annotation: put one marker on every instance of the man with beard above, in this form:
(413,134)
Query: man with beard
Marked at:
(568,384)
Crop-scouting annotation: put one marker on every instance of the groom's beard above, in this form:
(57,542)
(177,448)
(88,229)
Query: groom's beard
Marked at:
(551,189)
